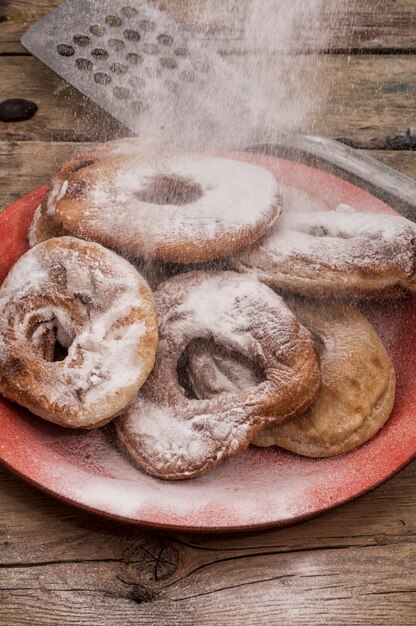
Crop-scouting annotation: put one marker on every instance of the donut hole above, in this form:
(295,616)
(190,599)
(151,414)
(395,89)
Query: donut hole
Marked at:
(182,373)
(60,352)
(49,339)
(217,354)
(319,230)
(170,190)
(62,341)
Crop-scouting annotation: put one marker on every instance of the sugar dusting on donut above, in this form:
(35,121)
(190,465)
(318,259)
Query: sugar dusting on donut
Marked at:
(175,437)
(336,251)
(97,306)
(186,208)
(358,382)
(341,239)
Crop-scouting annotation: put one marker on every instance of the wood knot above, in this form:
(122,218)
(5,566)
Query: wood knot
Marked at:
(152,561)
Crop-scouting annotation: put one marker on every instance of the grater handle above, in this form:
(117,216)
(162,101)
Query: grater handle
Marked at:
(394,188)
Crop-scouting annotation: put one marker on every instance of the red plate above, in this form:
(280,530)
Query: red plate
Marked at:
(258,489)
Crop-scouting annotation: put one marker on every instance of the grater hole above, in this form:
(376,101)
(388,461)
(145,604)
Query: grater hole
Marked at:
(134,59)
(97,30)
(187,77)
(116,44)
(113,21)
(172,86)
(167,63)
(131,35)
(83,64)
(150,48)
(139,83)
(147,25)
(102,79)
(152,72)
(138,106)
(81,40)
(118,68)
(201,66)
(65,50)
(128,12)
(165,40)
(121,93)
(181,52)
(99,53)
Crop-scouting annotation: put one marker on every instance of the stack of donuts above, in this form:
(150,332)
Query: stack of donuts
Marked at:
(179,295)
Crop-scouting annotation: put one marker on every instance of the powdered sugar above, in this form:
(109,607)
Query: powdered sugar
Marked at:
(175,437)
(97,306)
(207,198)
(25,276)
(233,193)
(295,200)
(358,382)
(301,246)
(32,234)
(58,190)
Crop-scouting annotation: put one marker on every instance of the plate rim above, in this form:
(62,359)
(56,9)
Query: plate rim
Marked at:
(30,199)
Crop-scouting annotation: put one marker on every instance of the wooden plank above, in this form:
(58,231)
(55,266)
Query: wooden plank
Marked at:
(403,161)
(16,16)
(26,165)
(272,589)
(365,24)
(363,99)
(63,115)
(384,517)
(353,565)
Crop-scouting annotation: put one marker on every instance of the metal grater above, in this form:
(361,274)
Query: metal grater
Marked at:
(135,62)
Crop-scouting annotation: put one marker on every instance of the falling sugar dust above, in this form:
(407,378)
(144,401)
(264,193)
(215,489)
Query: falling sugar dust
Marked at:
(228,73)
(257,71)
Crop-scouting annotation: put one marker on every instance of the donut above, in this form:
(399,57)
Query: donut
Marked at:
(43,228)
(358,383)
(335,253)
(78,333)
(44,224)
(181,208)
(175,437)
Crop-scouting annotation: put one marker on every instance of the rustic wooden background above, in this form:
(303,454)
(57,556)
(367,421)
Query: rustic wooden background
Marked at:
(354,565)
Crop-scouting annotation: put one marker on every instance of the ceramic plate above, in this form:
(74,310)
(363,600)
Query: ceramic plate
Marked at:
(261,488)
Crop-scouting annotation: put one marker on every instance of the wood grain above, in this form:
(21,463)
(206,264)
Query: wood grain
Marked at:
(372,25)
(354,565)
(366,101)
(86,569)
(25,165)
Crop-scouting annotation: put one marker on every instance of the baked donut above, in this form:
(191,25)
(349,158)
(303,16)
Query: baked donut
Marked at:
(43,228)
(94,305)
(44,224)
(175,437)
(336,253)
(358,383)
(185,208)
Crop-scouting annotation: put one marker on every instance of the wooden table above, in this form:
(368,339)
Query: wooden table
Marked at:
(354,565)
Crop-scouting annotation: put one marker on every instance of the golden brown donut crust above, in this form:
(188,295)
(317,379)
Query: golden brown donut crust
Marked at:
(180,207)
(342,253)
(96,306)
(358,383)
(174,437)
(44,224)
